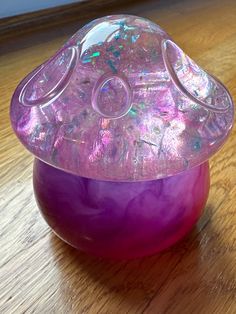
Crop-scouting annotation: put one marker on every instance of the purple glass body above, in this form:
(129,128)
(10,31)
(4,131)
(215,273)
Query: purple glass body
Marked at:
(122,124)
(120,219)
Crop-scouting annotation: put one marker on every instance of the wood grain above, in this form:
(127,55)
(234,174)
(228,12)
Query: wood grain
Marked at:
(60,15)
(41,274)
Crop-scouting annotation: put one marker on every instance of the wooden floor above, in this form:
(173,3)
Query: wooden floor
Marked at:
(41,274)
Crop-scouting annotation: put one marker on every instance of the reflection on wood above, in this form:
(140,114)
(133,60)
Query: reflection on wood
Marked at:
(41,274)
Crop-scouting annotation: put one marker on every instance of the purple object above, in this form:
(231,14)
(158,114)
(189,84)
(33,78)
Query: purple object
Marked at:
(122,110)
(120,219)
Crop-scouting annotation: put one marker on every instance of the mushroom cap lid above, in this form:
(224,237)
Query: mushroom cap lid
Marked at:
(121,101)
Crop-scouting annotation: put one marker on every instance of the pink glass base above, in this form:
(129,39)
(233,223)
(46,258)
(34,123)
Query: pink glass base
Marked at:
(120,219)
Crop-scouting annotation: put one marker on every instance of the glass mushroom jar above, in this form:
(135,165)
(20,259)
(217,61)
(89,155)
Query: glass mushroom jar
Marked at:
(122,124)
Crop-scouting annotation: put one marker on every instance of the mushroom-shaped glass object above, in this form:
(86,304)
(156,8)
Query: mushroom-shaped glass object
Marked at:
(122,124)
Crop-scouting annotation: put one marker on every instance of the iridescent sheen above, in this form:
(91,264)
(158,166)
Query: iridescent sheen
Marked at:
(121,101)
(120,219)
(122,123)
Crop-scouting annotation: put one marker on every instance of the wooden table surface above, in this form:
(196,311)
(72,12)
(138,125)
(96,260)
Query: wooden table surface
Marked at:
(41,274)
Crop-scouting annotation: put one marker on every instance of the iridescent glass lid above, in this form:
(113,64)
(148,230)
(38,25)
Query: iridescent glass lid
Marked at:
(121,101)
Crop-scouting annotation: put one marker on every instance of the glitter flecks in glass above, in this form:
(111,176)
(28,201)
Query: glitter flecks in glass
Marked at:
(162,113)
